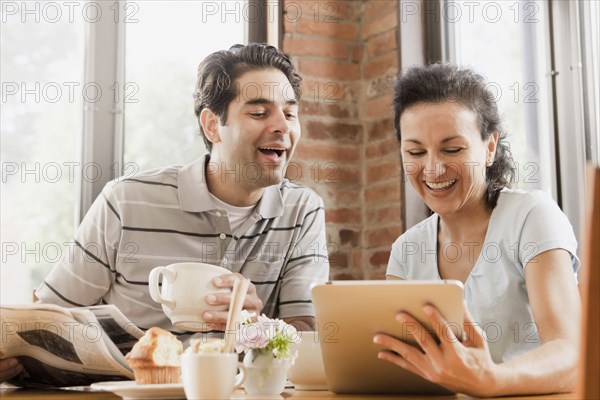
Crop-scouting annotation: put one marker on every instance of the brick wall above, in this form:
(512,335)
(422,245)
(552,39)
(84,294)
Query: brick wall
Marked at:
(347,53)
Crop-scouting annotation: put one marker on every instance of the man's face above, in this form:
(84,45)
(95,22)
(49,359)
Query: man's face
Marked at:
(262,129)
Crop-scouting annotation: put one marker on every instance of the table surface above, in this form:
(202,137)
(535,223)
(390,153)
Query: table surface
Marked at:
(55,394)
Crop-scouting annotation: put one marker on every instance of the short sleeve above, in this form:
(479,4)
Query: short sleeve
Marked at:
(545,228)
(304,270)
(86,272)
(395,265)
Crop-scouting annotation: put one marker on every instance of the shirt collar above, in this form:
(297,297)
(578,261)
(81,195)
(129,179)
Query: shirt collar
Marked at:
(194,195)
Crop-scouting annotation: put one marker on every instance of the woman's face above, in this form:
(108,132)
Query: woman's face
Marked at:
(444,157)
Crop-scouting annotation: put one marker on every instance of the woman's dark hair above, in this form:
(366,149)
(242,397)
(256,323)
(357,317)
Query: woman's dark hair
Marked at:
(217,73)
(439,83)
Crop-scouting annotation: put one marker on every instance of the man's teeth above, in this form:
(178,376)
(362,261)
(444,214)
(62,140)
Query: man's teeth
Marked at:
(279,151)
(440,185)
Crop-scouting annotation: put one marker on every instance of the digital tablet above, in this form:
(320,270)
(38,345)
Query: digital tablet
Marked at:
(350,313)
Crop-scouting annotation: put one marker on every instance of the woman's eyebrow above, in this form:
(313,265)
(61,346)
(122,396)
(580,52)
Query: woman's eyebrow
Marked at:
(448,139)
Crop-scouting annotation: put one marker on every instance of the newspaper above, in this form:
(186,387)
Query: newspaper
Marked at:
(61,347)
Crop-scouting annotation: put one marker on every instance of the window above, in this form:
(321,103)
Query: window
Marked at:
(42,101)
(590,34)
(506,42)
(61,110)
(164,47)
(541,59)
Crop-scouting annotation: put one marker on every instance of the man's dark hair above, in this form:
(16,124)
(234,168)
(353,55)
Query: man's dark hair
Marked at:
(217,73)
(438,83)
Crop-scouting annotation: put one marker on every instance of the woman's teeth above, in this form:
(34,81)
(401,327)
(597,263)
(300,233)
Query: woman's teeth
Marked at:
(440,185)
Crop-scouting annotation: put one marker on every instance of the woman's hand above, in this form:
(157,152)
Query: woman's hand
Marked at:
(217,320)
(9,368)
(463,367)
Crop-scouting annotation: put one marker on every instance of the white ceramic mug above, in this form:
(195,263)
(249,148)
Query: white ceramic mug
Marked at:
(308,372)
(211,375)
(184,290)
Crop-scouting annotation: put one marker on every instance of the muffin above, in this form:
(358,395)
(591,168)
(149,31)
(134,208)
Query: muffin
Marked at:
(155,357)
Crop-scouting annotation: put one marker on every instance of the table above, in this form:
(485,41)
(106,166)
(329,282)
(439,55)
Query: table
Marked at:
(36,394)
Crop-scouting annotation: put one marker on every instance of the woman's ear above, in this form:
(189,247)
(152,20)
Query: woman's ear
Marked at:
(210,124)
(491,147)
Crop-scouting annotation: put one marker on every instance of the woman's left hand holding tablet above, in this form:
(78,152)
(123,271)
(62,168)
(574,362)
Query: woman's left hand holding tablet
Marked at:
(463,366)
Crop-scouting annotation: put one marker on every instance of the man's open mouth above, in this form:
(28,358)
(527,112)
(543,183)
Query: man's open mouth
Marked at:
(272,151)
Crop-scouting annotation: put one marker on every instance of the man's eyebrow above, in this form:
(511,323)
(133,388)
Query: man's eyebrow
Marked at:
(262,100)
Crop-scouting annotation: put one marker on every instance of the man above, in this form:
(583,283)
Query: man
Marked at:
(232,208)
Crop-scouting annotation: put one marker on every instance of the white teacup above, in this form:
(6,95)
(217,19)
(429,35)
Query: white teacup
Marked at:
(211,375)
(308,372)
(184,290)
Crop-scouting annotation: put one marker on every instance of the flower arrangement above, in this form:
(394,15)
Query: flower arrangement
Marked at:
(266,336)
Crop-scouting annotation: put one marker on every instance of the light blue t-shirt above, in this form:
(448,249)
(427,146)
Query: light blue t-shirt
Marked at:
(522,225)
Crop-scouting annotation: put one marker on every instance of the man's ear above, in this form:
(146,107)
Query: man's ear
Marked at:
(210,123)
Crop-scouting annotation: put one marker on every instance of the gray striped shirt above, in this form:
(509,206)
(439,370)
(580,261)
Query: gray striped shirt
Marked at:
(164,216)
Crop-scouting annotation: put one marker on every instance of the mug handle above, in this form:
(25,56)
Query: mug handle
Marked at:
(153,285)
(241,377)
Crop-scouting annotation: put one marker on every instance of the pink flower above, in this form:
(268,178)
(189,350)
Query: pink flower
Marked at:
(272,335)
(251,336)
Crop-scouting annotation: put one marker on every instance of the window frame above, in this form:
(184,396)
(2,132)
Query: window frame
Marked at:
(103,122)
(574,115)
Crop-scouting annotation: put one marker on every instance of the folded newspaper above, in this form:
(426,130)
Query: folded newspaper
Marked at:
(67,346)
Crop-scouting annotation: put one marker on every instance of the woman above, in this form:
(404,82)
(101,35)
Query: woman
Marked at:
(514,251)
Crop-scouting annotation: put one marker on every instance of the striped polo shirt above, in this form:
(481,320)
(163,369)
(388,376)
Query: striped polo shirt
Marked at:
(164,216)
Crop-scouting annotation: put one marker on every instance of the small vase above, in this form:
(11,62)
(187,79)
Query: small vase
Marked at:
(265,374)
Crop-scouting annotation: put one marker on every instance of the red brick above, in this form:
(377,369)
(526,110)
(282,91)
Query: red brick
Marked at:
(288,26)
(379,258)
(379,25)
(337,259)
(383,171)
(383,148)
(377,8)
(357,52)
(383,192)
(312,46)
(322,172)
(343,196)
(383,236)
(330,69)
(337,131)
(377,272)
(383,43)
(344,276)
(380,129)
(379,107)
(327,152)
(330,29)
(343,216)
(322,91)
(384,65)
(356,261)
(328,110)
(351,175)
(318,10)
(330,172)
(390,212)
(349,236)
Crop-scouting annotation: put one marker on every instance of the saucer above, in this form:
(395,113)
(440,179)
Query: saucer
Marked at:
(131,390)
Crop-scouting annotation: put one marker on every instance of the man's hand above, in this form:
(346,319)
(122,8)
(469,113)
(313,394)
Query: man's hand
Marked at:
(9,367)
(217,320)
(302,323)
